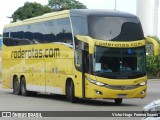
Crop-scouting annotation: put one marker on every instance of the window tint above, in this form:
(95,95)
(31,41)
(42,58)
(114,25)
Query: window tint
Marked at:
(49,31)
(115,28)
(79,25)
(58,30)
(64,31)
(123,62)
(12,36)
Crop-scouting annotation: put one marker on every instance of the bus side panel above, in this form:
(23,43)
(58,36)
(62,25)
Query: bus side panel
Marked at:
(6,74)
(64,71)
(51,78)
(78,82)
(36,81)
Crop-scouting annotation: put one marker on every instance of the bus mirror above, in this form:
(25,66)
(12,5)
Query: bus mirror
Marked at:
(155,45)
(88,40)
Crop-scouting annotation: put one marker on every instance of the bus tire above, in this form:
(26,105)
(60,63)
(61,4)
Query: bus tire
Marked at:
(23,87)
(16,86)
(32,93)
(70,92)
(118,101)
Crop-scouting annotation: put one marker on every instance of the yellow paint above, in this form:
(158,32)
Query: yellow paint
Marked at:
(41,68)
(112,44)
(155,45)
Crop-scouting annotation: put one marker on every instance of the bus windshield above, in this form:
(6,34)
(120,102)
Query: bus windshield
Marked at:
(119,63)
(115,28)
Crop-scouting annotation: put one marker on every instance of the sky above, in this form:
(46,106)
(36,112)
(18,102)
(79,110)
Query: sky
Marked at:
(7,7)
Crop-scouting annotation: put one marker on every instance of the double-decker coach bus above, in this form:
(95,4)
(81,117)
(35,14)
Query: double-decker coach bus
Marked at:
(78,53)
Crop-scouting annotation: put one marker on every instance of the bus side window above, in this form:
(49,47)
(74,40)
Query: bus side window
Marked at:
(78,59)
(8,41)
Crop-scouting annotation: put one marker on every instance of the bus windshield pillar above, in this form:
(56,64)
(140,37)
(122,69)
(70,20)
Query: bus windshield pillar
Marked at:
(83,73)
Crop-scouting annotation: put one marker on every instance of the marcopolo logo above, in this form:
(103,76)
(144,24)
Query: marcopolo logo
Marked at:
(36,53)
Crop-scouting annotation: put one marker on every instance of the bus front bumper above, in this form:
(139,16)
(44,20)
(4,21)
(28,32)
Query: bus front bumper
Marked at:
(94,91)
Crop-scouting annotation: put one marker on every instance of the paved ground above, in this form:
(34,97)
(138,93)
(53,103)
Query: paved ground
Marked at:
(11,102)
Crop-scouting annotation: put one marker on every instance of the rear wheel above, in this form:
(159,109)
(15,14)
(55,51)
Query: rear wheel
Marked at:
(23,87)
(70,92)
(118,101)
(33,93)
(16,86)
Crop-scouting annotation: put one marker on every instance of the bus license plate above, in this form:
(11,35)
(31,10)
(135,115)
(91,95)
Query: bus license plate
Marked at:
(121,95)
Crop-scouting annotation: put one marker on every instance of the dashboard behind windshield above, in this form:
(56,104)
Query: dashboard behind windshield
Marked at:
(119,62)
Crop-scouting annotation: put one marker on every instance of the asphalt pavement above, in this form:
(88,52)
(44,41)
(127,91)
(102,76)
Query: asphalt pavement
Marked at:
(46,102)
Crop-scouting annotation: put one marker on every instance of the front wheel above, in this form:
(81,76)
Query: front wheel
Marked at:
(118,101)
(70,92)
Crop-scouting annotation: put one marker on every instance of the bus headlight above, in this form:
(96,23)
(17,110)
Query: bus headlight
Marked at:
(143,83)
(95,82)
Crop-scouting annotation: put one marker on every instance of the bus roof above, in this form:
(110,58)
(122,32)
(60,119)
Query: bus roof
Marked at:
(47,16)
(102,12)
(65,13)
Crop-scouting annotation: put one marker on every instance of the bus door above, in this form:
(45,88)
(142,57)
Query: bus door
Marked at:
(82,65)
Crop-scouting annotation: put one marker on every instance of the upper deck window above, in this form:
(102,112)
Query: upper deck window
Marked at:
(115,28)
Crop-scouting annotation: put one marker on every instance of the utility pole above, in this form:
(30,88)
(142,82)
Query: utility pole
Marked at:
(115,5)
(10,18)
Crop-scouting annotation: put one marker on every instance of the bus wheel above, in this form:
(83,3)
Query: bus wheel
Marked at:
(23,87)
(70,92)
(118,101)
(16,86)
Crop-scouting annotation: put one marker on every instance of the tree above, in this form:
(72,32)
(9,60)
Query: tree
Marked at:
(0,35)
(153,62)
(57,5)
(30,10)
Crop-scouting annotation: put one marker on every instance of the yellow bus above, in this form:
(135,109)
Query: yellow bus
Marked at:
(93,54)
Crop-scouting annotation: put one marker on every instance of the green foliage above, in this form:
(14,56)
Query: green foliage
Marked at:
(153,65)
(30,10)
(57,5)
(155,38)
(153,62)
(0,35)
